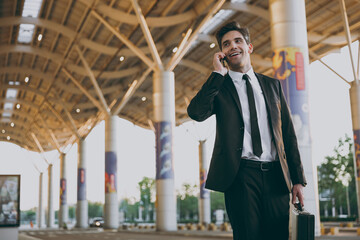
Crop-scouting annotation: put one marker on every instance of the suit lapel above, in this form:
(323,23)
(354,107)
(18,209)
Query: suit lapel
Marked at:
(262,83)
(265,89)
(229,85)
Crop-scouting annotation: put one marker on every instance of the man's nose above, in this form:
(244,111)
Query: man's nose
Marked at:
(233,45)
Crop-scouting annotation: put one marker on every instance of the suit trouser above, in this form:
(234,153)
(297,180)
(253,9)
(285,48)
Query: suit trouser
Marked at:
(257,203)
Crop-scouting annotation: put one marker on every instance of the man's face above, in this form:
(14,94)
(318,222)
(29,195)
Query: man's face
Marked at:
(237,51)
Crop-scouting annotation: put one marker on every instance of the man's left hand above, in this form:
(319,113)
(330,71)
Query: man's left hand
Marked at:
(297,191)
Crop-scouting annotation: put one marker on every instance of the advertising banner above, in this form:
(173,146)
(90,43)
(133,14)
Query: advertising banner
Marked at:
(9,200)
(164,166)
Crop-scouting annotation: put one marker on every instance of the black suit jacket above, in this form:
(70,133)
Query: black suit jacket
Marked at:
(219,96)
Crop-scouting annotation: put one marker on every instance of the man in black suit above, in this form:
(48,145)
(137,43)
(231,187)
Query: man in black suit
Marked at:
(256,160)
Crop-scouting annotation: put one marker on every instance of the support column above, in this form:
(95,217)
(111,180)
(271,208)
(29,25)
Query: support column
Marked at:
(82,203)
(63,207)
(355,115)
(164,118)
(204,199)
(50,213)
(111,209)
(41,213)
(290,63)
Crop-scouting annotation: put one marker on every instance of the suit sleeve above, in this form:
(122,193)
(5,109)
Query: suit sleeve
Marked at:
(201,106)
(290,143)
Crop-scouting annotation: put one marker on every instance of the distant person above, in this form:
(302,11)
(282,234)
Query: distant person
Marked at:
(256,160)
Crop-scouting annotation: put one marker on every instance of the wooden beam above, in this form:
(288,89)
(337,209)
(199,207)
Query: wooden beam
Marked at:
(147,34)
(93,80)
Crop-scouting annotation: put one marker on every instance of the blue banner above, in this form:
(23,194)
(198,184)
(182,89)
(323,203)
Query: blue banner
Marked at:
(204,193)
(81,185)
(289,69)
(110,172)
(164,154)
(62,191)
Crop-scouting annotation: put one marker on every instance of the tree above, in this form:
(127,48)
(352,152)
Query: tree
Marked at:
(217,202)
(29,215)
(147,195)
(95,209)
(129,207)
(336,179)
(188,203)
(71,212)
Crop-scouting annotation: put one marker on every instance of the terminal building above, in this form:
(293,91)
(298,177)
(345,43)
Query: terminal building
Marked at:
(66,66)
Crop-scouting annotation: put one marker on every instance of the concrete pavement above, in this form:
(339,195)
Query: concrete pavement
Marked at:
(140,234)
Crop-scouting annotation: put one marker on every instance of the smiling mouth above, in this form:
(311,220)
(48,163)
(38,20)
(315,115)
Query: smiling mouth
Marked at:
(234,54)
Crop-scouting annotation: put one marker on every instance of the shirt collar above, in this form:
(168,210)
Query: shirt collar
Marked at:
(238,75)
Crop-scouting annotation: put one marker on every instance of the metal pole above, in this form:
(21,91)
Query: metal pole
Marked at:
(290,65)
(164,122)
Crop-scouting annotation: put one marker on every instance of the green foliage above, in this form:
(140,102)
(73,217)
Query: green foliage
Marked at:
(187,203)
(217,201)
(147,196)
(335,174)
(95,209)
(147,189)
(130,209)
(29,215)
(72,211)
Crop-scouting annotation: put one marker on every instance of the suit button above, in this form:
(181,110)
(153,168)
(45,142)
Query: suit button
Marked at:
(242,128)
(239,149)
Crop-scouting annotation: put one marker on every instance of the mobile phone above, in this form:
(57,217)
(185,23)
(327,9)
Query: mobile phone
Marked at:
(224,61)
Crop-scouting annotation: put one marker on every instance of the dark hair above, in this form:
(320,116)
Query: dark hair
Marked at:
(232,26)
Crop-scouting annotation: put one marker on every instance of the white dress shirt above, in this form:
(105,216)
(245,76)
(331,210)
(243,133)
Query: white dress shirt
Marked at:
(269,152)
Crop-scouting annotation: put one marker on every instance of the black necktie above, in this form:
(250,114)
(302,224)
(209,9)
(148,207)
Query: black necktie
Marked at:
(255,132)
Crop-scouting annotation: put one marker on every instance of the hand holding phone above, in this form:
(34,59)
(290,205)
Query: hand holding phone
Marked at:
(220,63)
(224,62)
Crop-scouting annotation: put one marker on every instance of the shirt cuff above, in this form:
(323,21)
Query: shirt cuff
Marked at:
(219,73)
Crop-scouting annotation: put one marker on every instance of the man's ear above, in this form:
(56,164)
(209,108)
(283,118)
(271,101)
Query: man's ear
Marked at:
(251,48)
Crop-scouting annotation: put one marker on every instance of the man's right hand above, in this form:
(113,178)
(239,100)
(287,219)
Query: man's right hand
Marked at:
(218,65)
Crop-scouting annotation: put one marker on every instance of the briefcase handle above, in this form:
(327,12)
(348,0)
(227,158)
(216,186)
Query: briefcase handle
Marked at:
(298,206)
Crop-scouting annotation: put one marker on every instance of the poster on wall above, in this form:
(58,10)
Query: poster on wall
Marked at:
(9,200)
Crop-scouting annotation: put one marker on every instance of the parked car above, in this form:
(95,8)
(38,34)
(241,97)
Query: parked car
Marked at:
(97,222)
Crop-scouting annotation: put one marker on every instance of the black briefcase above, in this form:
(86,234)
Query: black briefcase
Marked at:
(303,224)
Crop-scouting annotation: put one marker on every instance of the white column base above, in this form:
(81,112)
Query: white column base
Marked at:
(311,190)
(204,211)
(111,211)
(82,214)
(63,215)
(166,205)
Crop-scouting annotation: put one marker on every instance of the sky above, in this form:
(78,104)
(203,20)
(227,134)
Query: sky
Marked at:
(330,119)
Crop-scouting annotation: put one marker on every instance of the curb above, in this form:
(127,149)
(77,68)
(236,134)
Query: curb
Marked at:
(26,237)
(186,233)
